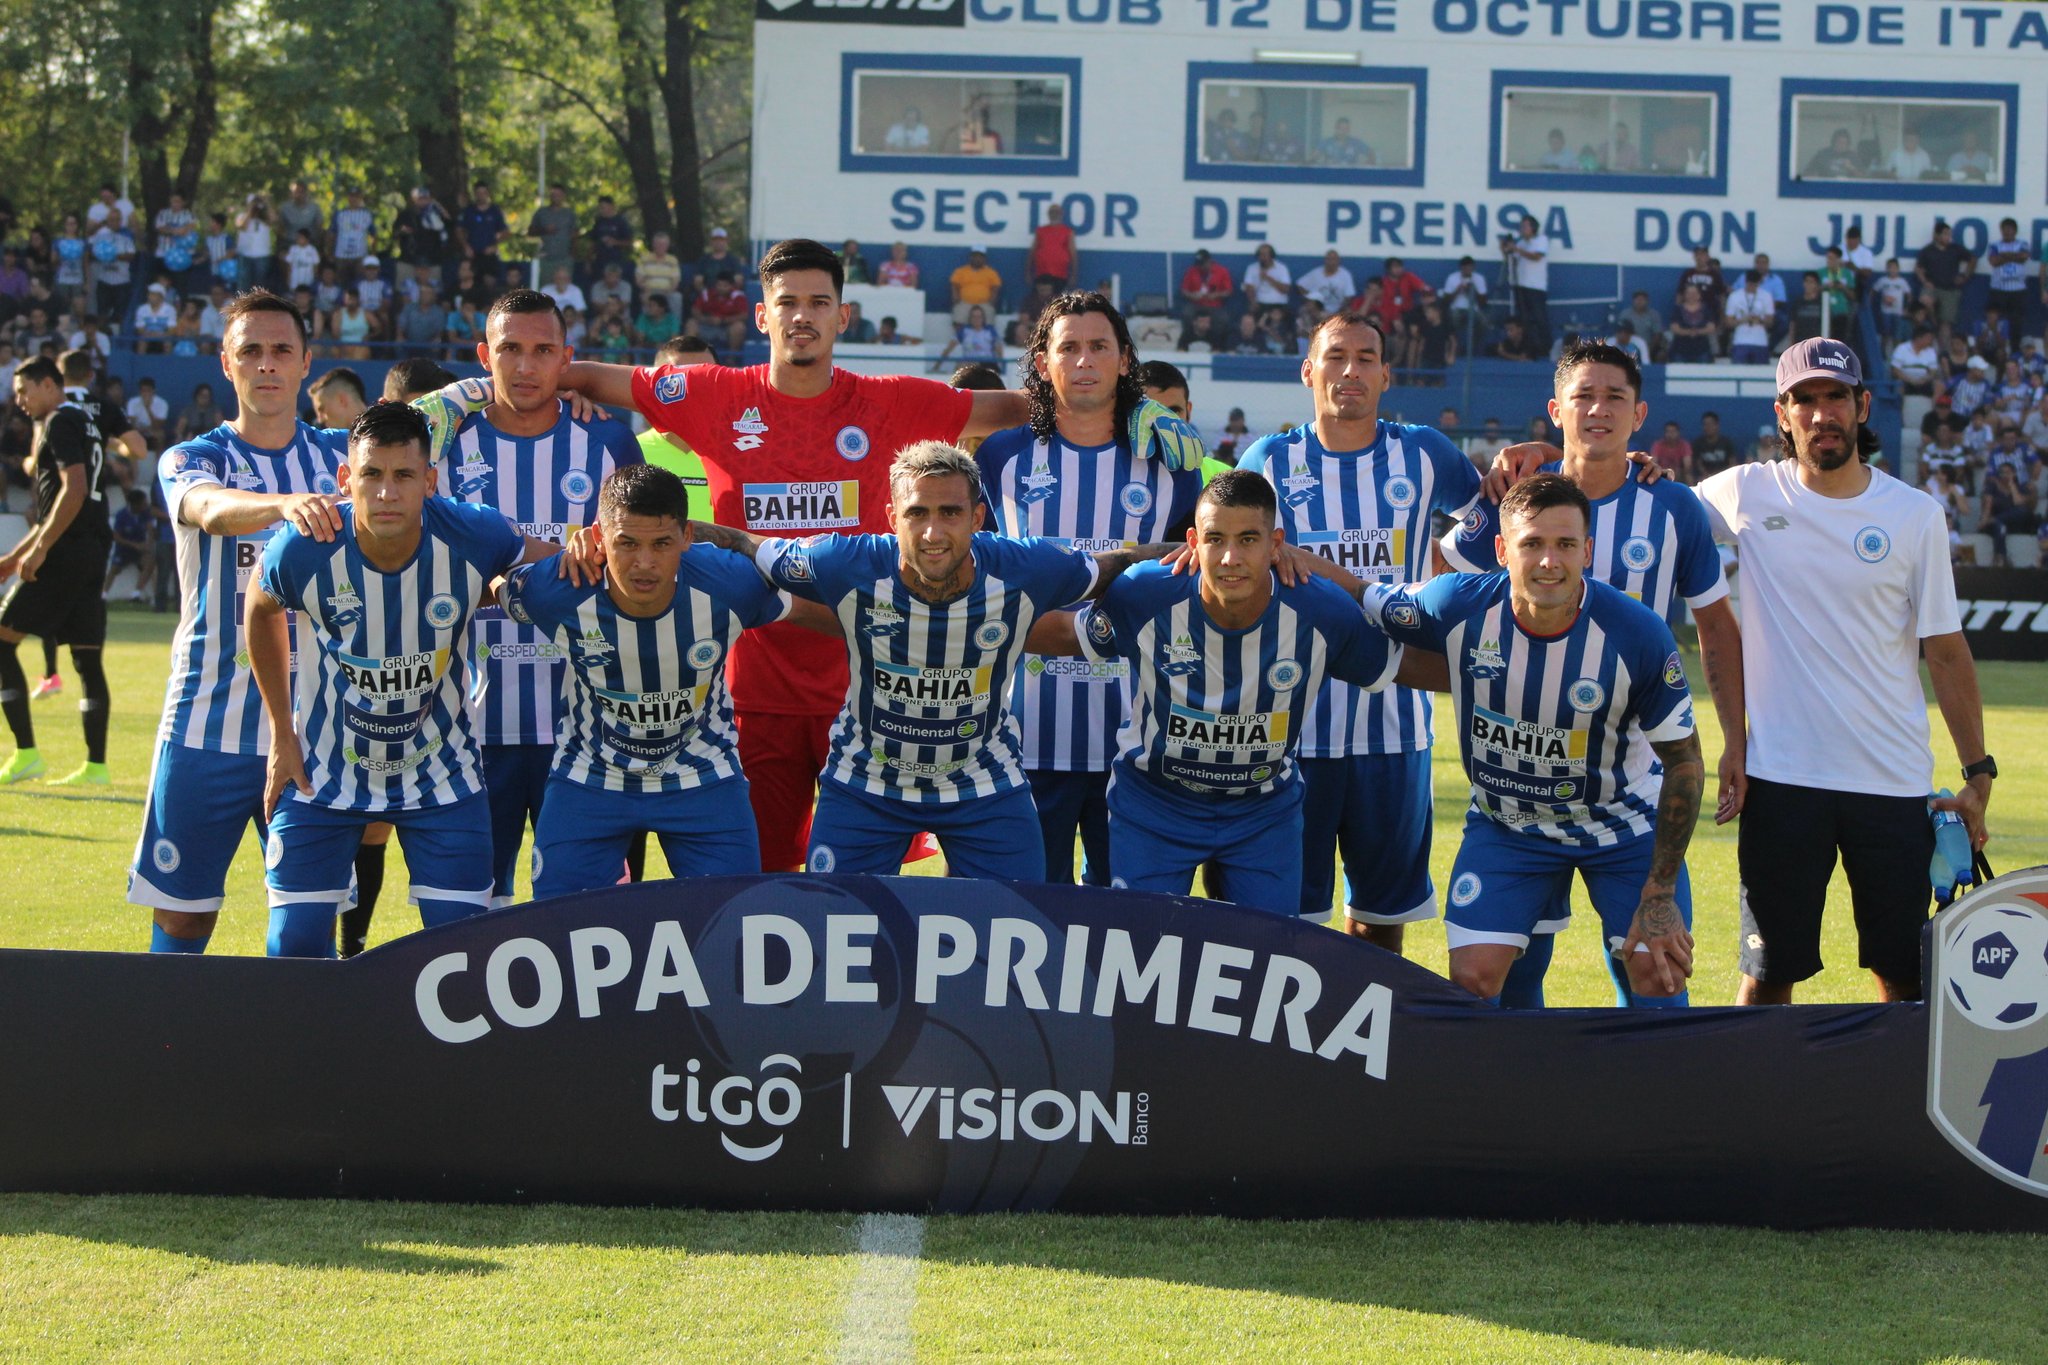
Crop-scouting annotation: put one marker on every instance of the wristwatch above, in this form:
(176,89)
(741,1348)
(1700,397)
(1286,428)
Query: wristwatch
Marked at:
(1986,766)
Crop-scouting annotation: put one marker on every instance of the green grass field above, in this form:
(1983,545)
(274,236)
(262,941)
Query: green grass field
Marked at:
(146,1278)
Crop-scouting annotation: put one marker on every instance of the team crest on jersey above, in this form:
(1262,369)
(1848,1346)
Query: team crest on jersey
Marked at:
(704,653)
(823,859)
(1586,695)
(1485,660)
(1101,630)
(1284,675)
(1674,672)
(1873,544)
(324,483)
(751,429)
(577,486)
(164,854)
(441,611)
(852,444)
(472,475)
(1038,485)
(591,647)
(671,388)
(882,618)
(1135,499)
(991,634)
(1300,488)
(344,608)
(1181,659)
(1637,554)
(273,851)
(1466,889)
(1399,493)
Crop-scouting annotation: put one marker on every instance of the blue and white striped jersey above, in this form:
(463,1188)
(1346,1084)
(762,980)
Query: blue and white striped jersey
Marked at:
(1555,730)
(927,714)
(1368,510)
(381,712)
(547,484)
(648,710)
(1091,498)
(1652,541)
(211,701)
(1217,712)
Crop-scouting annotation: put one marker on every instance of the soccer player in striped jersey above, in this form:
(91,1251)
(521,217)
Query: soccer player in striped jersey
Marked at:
(228,491)
(1071,476)
(1650,539)
(1576,726)
(648,741)
(935,619)
(540,465)
(1360,492)
(1225,663)
(382,730)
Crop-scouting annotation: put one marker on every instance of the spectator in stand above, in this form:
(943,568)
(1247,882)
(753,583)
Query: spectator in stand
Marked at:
(1043,290)
(1769,445)
(2035,430)
(2007,506)
(424,231)
(1329,284)
(1942,449)
(1704,274)
(1276,327)
(611,343)
(1515,343)
(1968,391)
(1198,335)
(2006,260)
(89,337)
(1943,488)
(1464,293)
(299,213)
(1970,161)
(355,328)
(153,321)
(1054,251)
(1340,148)
(1712,451)
(975,285)
(1432,341)
(112,248)
(68,251)
(1235,438)
(177,246)
(423,324)
(1942,267)
(200,415)
(1978,436)
(1205,286)
(974,339)
(611,239)
(326,291)
(718,259)
(222,262)
(2014,452)
(1690,338)
(373,291)
(255,244)
(858,331)
(1894,292)
(301,261)
(719,315)
(565,292)
(659,272)
(899,271)
(1625,339)
(1992,336)
(1748,318)
(1281,146)
(1860,258)
(1837,160)
(480,228)
(148,413)
(1775,287)
(553,228)
(110,200)
(1267,281)
(1838,288)
(351,231)
(1401,292)
(853,264)
(1909,160)
(1646,322)
(1809,311)
(1673,454)
(1556,155)
(610,287)
(1247,338)
(1527,256)
(887,333)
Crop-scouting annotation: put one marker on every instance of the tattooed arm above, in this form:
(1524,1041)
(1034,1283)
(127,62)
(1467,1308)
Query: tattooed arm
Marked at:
(1721,656)
(725,538)
(1658,950)
(1110,563)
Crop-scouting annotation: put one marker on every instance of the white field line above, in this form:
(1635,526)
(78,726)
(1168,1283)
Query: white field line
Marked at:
(875,1326)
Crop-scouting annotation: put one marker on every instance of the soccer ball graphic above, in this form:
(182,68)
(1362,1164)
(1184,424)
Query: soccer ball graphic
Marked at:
(1997,967)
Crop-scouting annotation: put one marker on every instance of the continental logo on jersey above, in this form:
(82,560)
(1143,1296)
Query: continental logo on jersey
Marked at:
(1473,524)
(394,676)
(1230,731)
(751,429)
(931,686)
(1102,630)
(1377,550)
(653,710)
(1526,739)
(816,506)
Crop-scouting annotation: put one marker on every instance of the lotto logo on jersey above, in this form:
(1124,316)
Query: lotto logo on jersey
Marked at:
(751,429)
(1368,550)
(394,676)
(344,608)
(1228,731)
(882,619)
(1038,485)
(472,476)
(653,710)
(777,507)
(932,686)
(1526,739)
(1181,658)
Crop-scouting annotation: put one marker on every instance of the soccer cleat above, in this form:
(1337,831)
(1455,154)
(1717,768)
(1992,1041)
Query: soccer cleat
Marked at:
(48,687)
(25,764)
(88,775)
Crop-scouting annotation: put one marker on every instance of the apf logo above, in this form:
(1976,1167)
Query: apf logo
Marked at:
(981,1113)
(734,1103)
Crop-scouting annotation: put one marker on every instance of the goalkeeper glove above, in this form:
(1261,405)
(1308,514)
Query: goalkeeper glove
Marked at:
(1156,434)
(444,410)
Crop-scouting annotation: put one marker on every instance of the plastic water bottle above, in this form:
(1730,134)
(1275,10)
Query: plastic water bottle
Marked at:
(1951,864)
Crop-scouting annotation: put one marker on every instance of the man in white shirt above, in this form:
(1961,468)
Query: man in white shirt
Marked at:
(1748,319)
(1528,268)
(1331,285)
(1846,580)
(154,319)
(564,291)
(1909,159)
(2007,259)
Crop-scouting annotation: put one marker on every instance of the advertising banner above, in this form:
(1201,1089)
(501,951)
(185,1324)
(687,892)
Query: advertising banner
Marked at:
(2005,612)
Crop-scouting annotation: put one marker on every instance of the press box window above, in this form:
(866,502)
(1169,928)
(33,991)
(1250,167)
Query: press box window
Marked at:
(1607,132)
(1306,124)
(915,114)
(1949,141)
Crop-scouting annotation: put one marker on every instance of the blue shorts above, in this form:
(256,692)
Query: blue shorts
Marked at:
(311,852)
(1506,886)
(516,776)
(1070,804)
(1376,809)
(993,838)
(200,802)
(581,841)
(1252,844)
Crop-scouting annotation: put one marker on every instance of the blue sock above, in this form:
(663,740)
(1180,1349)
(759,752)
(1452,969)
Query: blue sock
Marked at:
(1523,989)
(161,942)
(301,931)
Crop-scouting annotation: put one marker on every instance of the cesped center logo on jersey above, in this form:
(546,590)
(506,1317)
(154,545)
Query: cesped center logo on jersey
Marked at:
(818,974)
(1987,1064)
